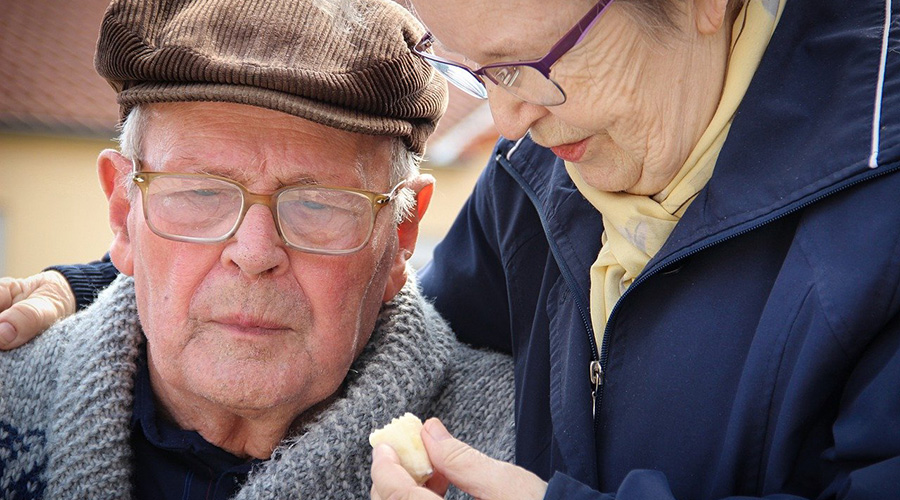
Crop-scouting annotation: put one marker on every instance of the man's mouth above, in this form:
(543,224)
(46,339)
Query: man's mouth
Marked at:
(250,325)
(570,152)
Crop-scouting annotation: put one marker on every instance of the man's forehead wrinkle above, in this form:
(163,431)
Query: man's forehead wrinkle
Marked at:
(259,168)
(190,162)
(163,158)
(191,159)
(202,141)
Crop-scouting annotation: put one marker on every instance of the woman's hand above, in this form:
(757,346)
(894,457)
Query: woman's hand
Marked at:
(30,305)
(454,462)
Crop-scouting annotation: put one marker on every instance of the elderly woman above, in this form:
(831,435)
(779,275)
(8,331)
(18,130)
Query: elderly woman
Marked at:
(690,242)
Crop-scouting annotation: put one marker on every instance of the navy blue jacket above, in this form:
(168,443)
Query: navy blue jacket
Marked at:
(759,352)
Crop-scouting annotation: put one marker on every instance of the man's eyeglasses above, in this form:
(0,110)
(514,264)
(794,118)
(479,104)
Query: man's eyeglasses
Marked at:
(528,80)
(201,208)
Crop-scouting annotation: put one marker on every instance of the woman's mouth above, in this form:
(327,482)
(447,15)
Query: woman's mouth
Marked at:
(570,152)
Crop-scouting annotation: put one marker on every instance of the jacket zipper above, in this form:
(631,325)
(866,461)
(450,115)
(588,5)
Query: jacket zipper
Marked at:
(596,371)
(598,353)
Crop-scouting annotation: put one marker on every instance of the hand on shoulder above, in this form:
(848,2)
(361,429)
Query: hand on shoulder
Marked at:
(28,306)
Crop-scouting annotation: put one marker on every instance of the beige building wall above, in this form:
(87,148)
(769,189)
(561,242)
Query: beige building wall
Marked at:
(51,205)
(52,210)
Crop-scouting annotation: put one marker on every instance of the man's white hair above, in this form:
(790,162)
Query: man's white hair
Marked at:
(348,14)
(404,163)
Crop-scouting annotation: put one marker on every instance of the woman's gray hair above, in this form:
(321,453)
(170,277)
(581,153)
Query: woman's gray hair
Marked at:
(404,163)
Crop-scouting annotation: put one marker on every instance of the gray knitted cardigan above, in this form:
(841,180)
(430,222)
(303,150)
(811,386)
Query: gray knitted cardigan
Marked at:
(66,400)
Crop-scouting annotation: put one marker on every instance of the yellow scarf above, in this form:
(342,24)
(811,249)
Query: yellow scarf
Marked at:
(635,227)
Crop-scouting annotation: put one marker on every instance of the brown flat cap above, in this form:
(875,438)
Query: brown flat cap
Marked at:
(342,63)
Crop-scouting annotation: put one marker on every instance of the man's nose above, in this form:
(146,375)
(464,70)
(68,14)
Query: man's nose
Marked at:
(256,248)
(512,116)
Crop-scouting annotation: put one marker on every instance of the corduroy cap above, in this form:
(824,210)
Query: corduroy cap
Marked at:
(342,63)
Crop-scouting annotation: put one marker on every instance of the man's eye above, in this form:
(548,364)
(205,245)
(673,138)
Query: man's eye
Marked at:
(206,192)
(314,205)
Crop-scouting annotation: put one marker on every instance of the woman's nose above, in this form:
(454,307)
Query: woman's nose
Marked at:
(512,116)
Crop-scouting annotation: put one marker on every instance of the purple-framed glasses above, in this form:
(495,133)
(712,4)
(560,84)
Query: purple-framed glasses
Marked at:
(528,80)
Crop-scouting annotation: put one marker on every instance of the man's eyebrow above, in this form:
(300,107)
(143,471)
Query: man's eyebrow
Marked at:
(247,176)
(189,160)
(304,180)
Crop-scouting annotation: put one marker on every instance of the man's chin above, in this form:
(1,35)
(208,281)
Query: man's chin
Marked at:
(244,378)
(245,394)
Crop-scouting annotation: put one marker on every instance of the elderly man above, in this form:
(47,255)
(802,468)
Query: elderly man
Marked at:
(264,204)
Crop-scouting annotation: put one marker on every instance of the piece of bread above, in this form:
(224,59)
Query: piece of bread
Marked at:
(402,434)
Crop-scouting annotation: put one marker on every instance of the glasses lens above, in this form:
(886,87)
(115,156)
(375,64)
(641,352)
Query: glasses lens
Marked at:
(192,208)
(325,219)
(527,84)
(461,77)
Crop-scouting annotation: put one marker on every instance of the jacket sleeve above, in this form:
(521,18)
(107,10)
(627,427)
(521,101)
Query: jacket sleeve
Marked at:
(465,278)
(87,280)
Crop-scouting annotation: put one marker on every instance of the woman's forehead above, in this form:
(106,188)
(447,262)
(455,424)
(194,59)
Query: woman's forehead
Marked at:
(500,30)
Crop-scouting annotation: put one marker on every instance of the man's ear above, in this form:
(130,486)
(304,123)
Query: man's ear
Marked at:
(114,169)
(408,233)
(710,15)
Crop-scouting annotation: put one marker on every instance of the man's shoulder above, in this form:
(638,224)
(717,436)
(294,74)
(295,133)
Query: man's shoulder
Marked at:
(36,374)
(477,402)
(29,373)
(467,364)
(481,363)
(111,316)
(70,386)
(29,380)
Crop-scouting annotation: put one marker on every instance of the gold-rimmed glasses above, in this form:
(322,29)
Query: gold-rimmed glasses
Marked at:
(205,208)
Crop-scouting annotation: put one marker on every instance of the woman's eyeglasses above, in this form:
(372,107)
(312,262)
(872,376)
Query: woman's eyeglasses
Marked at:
(528,80)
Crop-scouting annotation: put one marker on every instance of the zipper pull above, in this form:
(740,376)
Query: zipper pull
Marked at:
(596,381)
